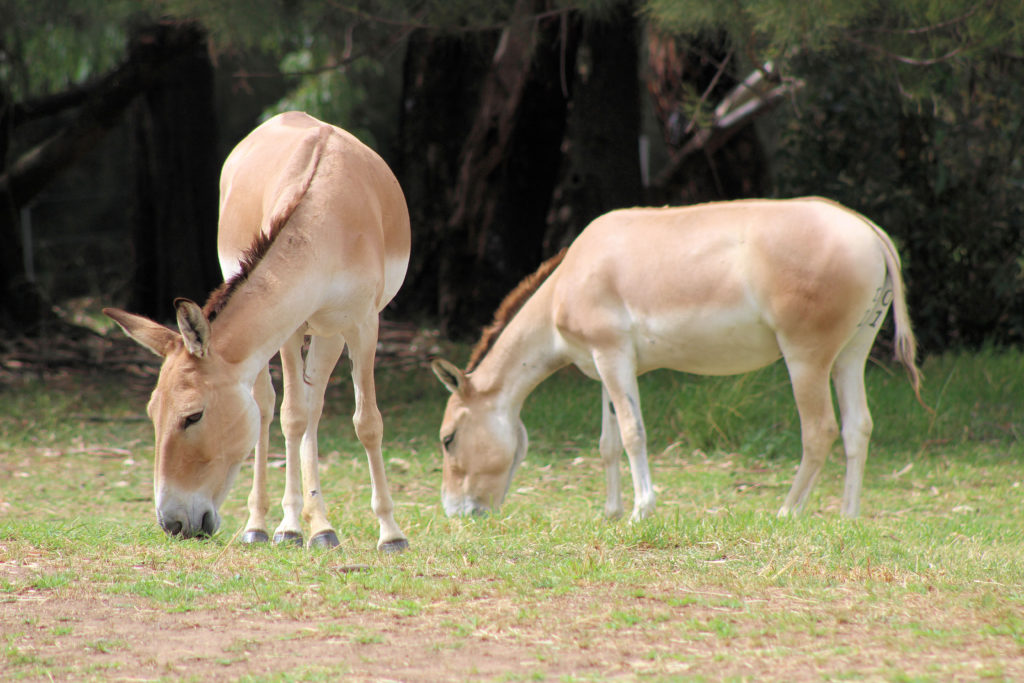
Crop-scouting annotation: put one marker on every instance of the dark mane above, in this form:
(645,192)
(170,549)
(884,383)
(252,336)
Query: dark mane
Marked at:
(219,297)
(510,306)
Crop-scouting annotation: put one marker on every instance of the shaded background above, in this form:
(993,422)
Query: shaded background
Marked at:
(511,124)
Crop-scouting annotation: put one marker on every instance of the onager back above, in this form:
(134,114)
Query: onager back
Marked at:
(313,240)
(713,289)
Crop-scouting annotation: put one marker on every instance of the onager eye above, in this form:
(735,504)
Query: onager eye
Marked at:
(446,442)
(191,420)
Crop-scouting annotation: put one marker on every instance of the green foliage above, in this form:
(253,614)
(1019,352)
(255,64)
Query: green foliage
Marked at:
(912,32)
(910,112)
(943,176)
(762,29)
(360,97)
(48,45)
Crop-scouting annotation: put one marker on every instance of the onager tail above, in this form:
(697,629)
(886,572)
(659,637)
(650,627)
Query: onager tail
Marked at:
(904,341)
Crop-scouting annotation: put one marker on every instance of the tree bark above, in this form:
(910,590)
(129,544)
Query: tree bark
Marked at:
(23,307)
(100,107)
(176,172)
(480,167)
(602,163)
(441,77)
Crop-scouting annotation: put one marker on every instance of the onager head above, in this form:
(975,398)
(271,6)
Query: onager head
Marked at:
(482,443)
(206,422)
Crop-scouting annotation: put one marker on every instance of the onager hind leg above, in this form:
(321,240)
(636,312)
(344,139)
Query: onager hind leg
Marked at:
(259,503)
(848,377)
(818,428)
(370,431)
(610,447)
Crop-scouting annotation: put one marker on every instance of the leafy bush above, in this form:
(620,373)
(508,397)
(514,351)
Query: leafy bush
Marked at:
(941,173)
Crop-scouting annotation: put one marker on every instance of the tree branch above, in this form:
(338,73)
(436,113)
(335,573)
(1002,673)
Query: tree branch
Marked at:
(912,61)
(929,29)
(748,100)
(101,104)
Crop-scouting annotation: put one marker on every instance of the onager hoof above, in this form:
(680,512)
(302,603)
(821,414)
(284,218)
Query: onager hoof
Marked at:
(613,514)
(324,539)
(255,536)
(396,546)
(293,537)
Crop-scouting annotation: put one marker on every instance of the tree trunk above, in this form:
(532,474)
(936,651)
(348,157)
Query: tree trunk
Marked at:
(176,172)
(23,307)
(479,167)
(174,55)
(20,302)
(441,77)
(602,163)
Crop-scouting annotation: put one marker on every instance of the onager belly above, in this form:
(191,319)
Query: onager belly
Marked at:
(713,342)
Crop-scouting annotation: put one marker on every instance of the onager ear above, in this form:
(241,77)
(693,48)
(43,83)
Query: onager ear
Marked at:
(450,376)
(154,336)
(195,328)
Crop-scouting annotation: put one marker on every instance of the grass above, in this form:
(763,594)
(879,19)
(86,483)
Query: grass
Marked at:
(926,585)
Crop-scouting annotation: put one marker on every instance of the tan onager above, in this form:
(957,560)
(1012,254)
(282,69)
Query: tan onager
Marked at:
(313,240)
(713,289)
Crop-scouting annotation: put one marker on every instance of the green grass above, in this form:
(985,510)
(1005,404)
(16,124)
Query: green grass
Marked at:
(926,585)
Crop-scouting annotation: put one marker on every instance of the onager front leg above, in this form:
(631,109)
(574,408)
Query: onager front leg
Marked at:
(259,503)
(293,426)
(619,379)
(321,358)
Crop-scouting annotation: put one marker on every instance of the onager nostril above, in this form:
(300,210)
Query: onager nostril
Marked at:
(209,523)
(173,528)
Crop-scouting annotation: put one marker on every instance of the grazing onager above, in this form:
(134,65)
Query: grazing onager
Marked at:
(313,240)
(713,289)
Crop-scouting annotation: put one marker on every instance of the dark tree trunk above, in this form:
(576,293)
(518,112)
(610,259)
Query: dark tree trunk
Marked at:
(480,152)
(441,79)
(602,164)
(534,158)
(171,54)
(20,302)
(176,172)
(23,307)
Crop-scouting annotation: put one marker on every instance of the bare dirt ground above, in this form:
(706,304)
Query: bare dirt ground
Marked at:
(72,634)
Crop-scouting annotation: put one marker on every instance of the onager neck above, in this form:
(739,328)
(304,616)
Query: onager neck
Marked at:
(261,316)
(526,352)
